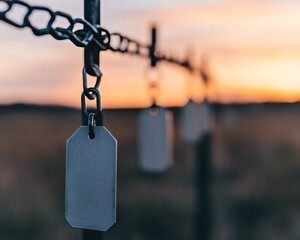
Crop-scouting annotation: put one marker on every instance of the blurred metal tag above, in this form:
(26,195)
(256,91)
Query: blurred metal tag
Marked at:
(155,139)
(195,121)
(91,169)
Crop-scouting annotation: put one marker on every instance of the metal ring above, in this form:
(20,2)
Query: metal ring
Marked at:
(86,24)
(102,38)
(153,77)
(91,124)
(56,32)
(84,109)
(91,119)
(82,40)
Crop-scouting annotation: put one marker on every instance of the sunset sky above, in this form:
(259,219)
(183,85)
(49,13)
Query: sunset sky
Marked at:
(253,49)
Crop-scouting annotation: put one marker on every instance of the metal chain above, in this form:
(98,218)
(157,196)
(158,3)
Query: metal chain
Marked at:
(79,38)
(96,95)
(91,93)
(88,34)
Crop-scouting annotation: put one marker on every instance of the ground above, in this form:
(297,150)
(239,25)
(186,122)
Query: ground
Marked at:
(255,176)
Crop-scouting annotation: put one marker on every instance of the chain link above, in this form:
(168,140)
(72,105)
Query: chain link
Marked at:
(88,34)
(84,82)
(91,93)
(96,95)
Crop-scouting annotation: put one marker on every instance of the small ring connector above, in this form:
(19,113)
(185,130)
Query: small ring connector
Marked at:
(91,124)
(153,77)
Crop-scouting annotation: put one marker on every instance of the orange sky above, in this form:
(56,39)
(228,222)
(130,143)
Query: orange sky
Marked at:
(253,49)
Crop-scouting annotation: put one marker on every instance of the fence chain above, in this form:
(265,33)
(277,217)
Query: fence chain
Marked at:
(87,34)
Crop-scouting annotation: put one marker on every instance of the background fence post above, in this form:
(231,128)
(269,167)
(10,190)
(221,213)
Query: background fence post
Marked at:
(203,150)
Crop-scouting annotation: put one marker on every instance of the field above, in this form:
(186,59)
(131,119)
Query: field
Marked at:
(254,189)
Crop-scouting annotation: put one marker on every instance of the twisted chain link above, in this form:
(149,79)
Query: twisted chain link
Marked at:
(88,33)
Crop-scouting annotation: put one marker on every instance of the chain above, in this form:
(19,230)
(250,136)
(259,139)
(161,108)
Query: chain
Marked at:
(88,34)
(91,93)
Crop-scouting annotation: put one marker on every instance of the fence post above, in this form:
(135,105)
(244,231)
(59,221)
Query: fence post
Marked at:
(91,55)
(203,151)
(91,52)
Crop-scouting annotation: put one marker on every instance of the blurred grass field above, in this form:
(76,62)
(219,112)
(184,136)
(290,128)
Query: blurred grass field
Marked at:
(255,192)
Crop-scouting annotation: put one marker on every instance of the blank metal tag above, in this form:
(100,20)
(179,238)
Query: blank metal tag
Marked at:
(195,121)
(91,168)
(155,139)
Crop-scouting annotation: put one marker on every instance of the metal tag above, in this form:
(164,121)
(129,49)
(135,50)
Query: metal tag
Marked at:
(195,121)
(91,169)
(155,139)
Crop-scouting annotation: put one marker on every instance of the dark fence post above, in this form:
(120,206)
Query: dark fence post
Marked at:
(91,52)
(91,55)
(203,150)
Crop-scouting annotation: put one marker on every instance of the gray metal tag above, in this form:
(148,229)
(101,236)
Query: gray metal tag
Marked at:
(155,139)
(91,169)
(195,121)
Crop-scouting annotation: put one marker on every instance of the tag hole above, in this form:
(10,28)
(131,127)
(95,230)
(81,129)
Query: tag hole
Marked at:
(154,111)
(91,135)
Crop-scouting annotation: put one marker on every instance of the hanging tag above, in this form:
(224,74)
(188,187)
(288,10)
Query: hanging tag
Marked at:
(195,121)
(91,169)
(155,139)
